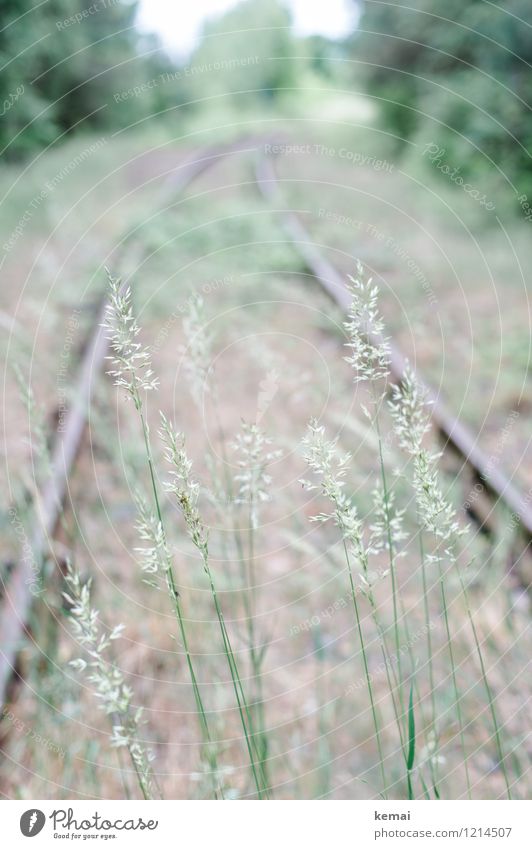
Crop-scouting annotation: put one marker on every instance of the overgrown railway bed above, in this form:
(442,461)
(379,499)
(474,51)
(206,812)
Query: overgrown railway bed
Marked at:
(493,487)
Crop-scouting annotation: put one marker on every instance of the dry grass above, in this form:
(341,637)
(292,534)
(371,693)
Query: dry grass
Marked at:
(277,357)
(319,726)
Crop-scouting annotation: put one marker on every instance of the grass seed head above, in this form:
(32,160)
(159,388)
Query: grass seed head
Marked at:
(197,351)
(131,360)
(409,409)
(370,351)
(155,556)
(107,682)
(330,468)
(252,447)
(181,483)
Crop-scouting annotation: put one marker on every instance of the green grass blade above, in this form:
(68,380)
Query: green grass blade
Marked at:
(411,740)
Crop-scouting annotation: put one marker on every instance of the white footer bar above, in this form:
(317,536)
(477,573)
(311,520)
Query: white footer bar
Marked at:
(267,825)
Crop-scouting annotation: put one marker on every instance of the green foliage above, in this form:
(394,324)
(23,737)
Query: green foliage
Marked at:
(456,74)
(62,61)
(249,53)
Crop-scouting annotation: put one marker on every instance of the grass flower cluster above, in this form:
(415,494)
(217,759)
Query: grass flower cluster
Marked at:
(197,352)
(414,709)
(131,360)
(114,696)
(383,532)
(370,351)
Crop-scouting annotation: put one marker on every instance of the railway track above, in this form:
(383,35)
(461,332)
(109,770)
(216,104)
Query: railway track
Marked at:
(16,588)
(16,598)
(457,438)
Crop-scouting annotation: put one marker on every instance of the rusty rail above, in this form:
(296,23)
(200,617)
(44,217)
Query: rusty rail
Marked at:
(455,434)
(16,600)
(17,597)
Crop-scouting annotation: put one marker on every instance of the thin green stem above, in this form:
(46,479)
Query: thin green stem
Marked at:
(366,670)
(487,687)
(387,518)
(259,739)
(174,594)
(430,663)
(245,716)
(455,684)
(256,657)
(388,665)
(427,625)
(418,694)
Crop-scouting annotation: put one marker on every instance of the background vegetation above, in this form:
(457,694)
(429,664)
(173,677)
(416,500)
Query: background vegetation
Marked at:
(97,122)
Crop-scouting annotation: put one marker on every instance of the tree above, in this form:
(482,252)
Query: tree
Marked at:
(63,62)
(249,53)
(458,69)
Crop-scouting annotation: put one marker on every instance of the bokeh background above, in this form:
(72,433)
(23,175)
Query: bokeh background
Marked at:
(403,137)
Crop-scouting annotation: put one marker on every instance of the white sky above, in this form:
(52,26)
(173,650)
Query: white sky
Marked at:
(178,22)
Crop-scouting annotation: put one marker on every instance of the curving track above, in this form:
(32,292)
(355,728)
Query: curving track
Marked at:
(16,597)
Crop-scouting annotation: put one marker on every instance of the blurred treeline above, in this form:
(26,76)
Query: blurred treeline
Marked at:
(452,72)
(66,69)
(457,73)
(81,65)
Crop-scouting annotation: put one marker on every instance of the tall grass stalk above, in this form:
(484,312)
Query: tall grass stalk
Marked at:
(323,784)
(186,491)
(411,425)
(321,457)
(249,487)
(113,694)
(432,743)
(457,699)
(370,361)
(253,450)
(408,409)
(489,694)
(437,527)
(426,611)
(132,371)
(411,742)
(438,517)
(390,547)
(376,721)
